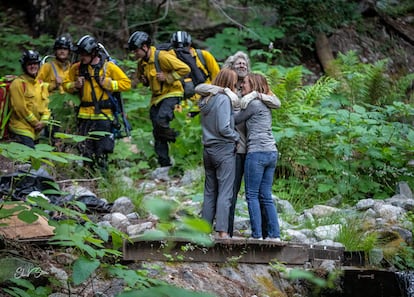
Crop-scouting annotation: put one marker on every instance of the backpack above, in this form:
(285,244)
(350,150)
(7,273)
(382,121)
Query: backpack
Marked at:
(196,76)
(116,103)
(5,108)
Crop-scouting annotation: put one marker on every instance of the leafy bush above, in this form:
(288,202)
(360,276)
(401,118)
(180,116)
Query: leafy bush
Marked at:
(337,144)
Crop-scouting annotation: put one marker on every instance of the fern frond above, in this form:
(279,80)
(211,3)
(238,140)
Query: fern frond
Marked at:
(377,85)
(322,89)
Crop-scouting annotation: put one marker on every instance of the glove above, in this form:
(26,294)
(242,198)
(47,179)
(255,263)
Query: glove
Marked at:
(235,101)
(245,100)
(106,83)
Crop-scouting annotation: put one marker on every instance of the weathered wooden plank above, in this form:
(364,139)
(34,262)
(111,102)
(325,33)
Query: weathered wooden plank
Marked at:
(326,252)
(227,250)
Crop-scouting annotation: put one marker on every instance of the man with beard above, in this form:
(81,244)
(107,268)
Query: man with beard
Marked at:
(240,63)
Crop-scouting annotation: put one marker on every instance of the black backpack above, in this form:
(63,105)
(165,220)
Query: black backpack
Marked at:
(195,77)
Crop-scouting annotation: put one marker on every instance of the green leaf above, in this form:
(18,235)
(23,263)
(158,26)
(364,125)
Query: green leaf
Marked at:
(83,269)
(28,216)
(17,292)
(131,277)
(153,235)
(322,188)
(161,208)
(23,283)
(197,224)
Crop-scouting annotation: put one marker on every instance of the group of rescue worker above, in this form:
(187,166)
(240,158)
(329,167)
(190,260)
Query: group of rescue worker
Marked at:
(95,78)
(223,96)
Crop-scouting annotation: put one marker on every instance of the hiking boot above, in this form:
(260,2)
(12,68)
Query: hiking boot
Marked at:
(161,173)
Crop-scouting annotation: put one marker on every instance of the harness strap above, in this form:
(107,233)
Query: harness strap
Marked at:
(203,61)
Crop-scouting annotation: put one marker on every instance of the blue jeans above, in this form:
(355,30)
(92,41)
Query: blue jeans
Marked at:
(259,170)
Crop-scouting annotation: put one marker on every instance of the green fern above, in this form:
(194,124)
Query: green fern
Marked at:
(322,89)
(377,85)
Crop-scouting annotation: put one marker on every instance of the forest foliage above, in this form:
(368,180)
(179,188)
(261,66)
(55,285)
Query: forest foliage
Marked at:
(349,134)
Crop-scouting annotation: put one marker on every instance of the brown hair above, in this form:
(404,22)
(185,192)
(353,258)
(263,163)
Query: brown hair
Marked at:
(226,78)
(258,83)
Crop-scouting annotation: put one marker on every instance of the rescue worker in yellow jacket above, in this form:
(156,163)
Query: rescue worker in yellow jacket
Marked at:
(29,99)
(204,60)
(55,70)
(167,92)
(94,79)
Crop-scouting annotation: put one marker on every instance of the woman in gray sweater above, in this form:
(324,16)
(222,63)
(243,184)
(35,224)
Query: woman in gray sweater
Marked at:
(219,140)
(260,161)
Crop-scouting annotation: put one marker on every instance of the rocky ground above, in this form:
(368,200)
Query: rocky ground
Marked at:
(222,279)
(248,280)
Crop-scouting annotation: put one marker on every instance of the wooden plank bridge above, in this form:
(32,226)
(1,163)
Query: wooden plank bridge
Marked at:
(241,250)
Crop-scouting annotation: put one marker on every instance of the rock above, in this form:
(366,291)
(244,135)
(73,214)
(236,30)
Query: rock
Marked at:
(119,221)
(319,211)
(285,207)
(365,204)
(133,230)
(327,232)
(390,213)
(404,189)
(123,205)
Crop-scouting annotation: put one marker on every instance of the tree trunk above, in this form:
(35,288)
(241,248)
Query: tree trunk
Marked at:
(325,54)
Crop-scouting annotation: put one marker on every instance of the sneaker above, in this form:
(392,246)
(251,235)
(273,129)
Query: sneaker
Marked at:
(276,239)
(252,238)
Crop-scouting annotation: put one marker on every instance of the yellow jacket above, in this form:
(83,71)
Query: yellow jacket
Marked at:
(212,66)
(115,80)
(29,100)
(174,70)
(211,69)
(51,70)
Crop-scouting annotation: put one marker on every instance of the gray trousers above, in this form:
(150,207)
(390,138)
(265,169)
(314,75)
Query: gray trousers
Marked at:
(219,166)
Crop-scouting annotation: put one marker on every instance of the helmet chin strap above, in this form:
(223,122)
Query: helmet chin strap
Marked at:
(146,58)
